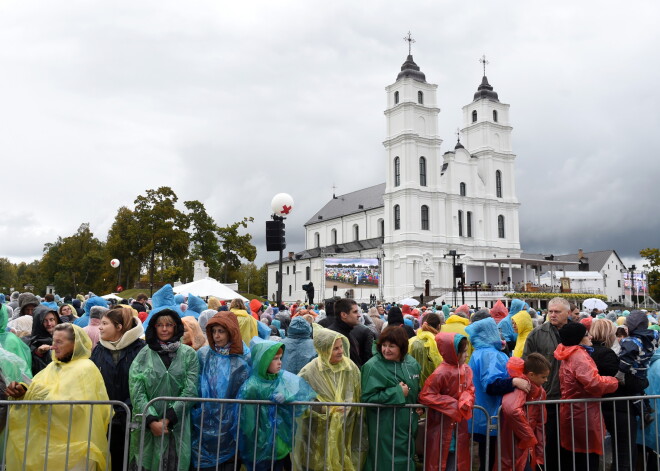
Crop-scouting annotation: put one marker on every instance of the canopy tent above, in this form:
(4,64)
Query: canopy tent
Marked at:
(209,287)
(112,296)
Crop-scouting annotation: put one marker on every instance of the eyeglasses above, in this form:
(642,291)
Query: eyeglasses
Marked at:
(164,326)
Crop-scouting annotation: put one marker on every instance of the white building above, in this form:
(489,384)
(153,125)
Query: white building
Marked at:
(431,202)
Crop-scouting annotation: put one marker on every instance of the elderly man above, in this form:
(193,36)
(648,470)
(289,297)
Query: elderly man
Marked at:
(544,340)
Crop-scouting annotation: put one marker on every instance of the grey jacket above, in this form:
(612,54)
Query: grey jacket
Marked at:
(544,340)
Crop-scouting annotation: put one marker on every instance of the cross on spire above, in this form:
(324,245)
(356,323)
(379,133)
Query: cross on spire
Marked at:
(483,61)
(458,135)
(410,41)
(333,191)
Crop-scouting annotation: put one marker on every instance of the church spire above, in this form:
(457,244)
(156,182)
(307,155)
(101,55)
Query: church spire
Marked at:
(409,68)
(485,90)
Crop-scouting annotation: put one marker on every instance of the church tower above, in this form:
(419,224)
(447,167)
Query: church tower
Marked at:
(486,135)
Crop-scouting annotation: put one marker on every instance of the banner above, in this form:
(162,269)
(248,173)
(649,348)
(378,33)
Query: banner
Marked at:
(352,272)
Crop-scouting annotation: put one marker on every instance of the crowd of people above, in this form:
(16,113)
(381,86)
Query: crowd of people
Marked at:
(434,378)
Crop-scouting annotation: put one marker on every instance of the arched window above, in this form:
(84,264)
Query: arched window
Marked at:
(356,232)
(463,189)
(397,217)
(420,98)
(333,236)
(397,171)
(474,116)
(422,171)
(425,218)
(460,223)
(500,226)
(498,183)
(396,98)
(495,115)
(468,220)
(381,227)
(317,240)
(308,273)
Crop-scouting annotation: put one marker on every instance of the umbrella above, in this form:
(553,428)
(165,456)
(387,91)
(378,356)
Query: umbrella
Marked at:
(209,287)
(409,302)
(594,303)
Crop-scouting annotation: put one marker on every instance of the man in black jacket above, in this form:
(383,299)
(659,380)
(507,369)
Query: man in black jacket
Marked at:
(347,316)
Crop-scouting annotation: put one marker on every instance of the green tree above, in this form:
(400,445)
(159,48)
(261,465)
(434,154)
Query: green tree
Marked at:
(161,230)
(235,246)
(123,243)
(653,258)
(204,239)
(8,277)
(74,264)
(30,274)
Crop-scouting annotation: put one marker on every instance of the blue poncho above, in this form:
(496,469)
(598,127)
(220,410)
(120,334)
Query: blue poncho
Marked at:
(299,346)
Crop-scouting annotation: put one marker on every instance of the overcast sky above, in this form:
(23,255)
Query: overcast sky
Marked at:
(231,103)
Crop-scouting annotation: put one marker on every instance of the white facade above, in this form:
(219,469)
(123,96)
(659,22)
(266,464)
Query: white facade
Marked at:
(431,202)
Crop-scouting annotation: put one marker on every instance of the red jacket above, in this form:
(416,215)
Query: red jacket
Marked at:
(521,426)
(449,394)
(581,425)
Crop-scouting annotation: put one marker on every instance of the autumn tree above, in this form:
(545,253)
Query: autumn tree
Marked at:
(74,264)
(8,277)
(235,246)
(124,243)
(653,258)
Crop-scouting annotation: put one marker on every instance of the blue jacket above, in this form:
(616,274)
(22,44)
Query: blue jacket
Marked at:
(163,299)
(488,364)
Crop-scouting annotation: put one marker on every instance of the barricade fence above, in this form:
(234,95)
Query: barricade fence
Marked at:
(595,434)
(62,435)
(586,434)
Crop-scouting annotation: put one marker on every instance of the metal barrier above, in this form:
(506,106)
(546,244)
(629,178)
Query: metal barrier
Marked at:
(58,435)
(602,434)
(313,435)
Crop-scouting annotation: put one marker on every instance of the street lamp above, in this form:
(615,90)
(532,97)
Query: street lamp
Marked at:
(632,283)
(456,269)
(281,204)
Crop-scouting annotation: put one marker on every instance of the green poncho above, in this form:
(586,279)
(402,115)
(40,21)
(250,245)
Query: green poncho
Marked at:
(389,437)
(334,433)
(274,436)
(149,378)
(10,342)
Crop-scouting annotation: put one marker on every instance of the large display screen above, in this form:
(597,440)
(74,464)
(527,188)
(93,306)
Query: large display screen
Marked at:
(348,273)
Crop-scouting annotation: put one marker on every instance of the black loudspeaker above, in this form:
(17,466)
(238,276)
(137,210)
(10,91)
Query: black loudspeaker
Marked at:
(458,270)
(275,240)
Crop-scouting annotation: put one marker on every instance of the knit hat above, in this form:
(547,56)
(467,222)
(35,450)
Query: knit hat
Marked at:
(572,333)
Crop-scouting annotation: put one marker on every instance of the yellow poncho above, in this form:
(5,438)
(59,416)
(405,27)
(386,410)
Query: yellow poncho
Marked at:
(247,324)
(524,325)
(457,324)
(423,348)
(76,380)
(337,449)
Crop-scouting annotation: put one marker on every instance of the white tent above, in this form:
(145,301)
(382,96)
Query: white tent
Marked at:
(112,296)
(208,287)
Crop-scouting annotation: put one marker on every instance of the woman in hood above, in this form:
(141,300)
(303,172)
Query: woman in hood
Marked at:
(119,343)
(224,367)
(457,323)
(330,436)
(449,394)
(83,320)
(581,424)
(246,322)
(192,333)
(266,431)
(165,367)
(92,329)
(67,313)
(41,340)
(391,376)
(522,326)
(21,321)
(10,342)
(299,346)
(61,436)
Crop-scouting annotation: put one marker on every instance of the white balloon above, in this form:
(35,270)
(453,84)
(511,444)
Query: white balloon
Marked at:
(282,204)
(114,263)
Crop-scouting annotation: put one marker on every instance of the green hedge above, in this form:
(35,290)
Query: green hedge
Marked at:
(569,296)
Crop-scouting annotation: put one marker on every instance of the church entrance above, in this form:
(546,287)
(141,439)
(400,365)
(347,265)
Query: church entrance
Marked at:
(427,288)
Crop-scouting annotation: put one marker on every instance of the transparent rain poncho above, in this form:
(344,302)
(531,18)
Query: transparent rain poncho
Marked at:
(221,375)
(13,367)
(273,439)
(331,438)
(423,348)
(12,343)
(76,380)
(149,378)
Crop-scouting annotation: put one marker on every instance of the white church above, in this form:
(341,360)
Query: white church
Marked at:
(432,204)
